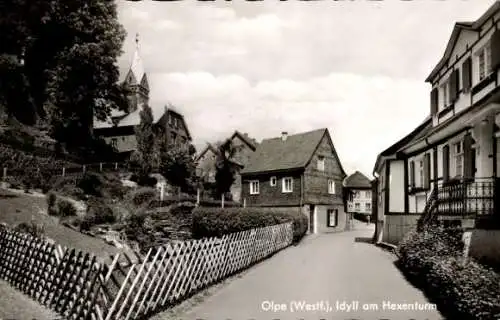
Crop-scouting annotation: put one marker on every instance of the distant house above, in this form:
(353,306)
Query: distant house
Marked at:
(358,191)
(207,158)
(119,130)
(205,163)
(300,172)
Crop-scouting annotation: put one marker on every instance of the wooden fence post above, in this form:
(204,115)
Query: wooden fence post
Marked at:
(4,173)
(100,166)
(162,192)
(197,196)
(63,171)
(222,201)
(83,168)
(116,165)
(244,202)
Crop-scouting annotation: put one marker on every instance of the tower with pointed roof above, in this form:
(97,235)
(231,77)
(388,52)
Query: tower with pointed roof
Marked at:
(137,81)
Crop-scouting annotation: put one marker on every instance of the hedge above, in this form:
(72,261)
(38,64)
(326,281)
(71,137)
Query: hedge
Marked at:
(216,222)
(462,288)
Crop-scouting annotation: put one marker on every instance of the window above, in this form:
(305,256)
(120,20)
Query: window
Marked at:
(173,138)
(272,182)
(321,163)
(421,173)
(444,93)
(484,61)
(332,216)
(459,159)
(114,142)
(331,187)
(368,206)
(254,187)
(368,194)
(287,185)
(357,206)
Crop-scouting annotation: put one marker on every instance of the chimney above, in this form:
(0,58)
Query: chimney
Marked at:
(284,135)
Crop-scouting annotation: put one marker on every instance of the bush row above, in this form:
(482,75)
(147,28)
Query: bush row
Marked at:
(462,288)
(216,222)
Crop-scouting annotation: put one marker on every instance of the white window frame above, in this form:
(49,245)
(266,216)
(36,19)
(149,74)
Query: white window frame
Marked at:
(483,62)
(368,206)
(331,186)
(368,194)
(254,186)
(458,156)
(357,206)
(272,181)
(114,142)
(284,188)
(320,165)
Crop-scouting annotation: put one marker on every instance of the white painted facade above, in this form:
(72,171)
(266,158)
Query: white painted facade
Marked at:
(475,112)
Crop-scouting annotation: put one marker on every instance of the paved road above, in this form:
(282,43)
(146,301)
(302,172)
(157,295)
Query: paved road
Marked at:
(332,271)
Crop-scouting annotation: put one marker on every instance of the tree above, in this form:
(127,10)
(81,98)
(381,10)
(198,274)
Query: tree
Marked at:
(177,165)
(69,51)
(145,136)
(225,167)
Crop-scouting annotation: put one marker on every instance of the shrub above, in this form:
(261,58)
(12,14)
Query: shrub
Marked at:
(463,289)
(51,204)
(98,212)
(32,229)
(143,196)
(216,222)
(65,208)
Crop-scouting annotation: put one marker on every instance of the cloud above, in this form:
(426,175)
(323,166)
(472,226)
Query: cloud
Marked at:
(364,114)
(355,67)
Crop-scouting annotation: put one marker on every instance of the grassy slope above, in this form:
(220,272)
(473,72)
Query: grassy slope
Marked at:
(16,305)
(16,208)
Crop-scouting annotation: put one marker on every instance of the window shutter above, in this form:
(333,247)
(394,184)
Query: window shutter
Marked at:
(434,101)
(446,163)
(427,171)
(412,174)
(495,50)
(467,74)
(453,87)
(468,154)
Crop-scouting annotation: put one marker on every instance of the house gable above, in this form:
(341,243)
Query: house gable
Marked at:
(322,169)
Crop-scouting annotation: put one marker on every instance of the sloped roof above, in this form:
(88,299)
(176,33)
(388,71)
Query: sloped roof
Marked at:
(294,153)
(357,180)
(457,29)
(252,143)
(420,131)
(209,147)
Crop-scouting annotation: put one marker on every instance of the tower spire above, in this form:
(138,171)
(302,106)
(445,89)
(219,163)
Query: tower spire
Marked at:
(137,40)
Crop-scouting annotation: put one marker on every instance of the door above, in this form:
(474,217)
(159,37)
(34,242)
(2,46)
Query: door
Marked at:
(312,213)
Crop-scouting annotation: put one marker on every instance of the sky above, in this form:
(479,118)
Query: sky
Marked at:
(355,67)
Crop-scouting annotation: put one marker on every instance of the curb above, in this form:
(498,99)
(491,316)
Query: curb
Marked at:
(389,247)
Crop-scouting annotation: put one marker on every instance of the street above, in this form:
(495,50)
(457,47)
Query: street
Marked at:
(328,276)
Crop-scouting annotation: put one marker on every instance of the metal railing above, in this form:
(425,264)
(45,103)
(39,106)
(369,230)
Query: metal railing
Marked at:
(467,198)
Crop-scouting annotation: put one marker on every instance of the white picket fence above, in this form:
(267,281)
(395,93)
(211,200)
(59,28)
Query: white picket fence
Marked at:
(131,287)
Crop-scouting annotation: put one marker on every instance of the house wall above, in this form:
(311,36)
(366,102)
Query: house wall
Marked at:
(396,186)
(397,226)
(244,151)
(485,245)
(361,196)
(467,45)
(272,195)
(205,168)
(123,142)
(322,219)
(316,182)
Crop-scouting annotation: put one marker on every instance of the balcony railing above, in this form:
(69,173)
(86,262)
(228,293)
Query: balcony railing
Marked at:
(467,198)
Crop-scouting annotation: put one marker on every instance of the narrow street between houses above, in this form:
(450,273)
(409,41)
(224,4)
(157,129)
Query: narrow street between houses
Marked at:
(340,274)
